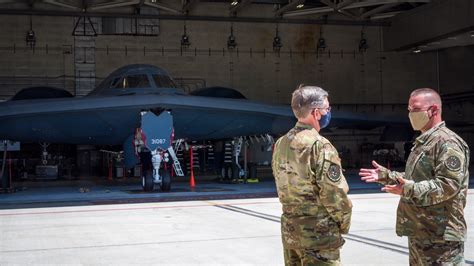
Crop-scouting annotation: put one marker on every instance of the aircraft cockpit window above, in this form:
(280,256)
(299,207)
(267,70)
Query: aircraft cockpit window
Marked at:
(132,81)
(114,82)
(163,81)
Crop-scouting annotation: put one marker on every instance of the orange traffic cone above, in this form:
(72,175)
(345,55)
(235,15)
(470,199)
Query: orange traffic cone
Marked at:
(192,184)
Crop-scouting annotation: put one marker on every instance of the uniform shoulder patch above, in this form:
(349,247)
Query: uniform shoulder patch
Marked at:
(453,163)
(334,172)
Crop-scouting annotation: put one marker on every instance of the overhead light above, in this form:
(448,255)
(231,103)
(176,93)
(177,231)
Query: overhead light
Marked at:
(153,1)
(321,41)
(234,3)
(472,33)
(30,39)
(185,43)
(231,43)
(321,44)
(277,41)
(300,6)
(31,36)
(416,51)
(363,46)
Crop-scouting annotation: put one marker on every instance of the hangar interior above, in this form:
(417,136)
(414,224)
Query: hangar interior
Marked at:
(368,54)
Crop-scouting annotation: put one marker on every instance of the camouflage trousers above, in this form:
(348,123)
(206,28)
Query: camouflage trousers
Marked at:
(428,252)
(303,257)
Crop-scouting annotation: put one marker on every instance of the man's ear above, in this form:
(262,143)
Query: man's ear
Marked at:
(318,114)
(434,110)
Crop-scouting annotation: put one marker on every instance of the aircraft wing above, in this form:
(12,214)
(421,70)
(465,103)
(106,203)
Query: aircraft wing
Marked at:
(110,120)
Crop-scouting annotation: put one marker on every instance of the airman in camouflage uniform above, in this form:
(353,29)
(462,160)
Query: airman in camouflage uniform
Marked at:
(432,189)
(310,185)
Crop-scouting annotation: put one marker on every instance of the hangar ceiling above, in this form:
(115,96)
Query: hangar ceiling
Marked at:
(349,12)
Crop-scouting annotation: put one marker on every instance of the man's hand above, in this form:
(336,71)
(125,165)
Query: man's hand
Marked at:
(370,175)
(395,189)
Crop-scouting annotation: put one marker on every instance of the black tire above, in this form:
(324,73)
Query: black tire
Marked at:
(165,180)
(147,181)
(235,171)
(227,172)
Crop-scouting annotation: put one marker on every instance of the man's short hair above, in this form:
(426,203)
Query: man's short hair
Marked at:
(430,95)
(306,98)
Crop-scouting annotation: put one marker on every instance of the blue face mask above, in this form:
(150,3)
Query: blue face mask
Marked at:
(325,119)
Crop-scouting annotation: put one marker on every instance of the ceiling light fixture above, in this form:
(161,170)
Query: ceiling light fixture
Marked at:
(234,3)
(31,36)
(185,43)
(300,6)
(231,43)
(363,46)
(321,41)
(277,41)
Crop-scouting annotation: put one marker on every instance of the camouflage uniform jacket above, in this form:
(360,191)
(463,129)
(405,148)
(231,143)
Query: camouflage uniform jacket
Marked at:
(433,200)
(312,190)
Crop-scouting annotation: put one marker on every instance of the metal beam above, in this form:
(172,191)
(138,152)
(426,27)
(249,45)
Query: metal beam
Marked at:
(348,14)
(107,5)
(162,7)
(7,1)
(318,10)
(53,2)
(344,4)
(290,5)
(140,3)
(334,7)
(378,10)
(189,4)
(328,3)
(239,6)
(57,13)
(381,2)
(385,15)
(309,11)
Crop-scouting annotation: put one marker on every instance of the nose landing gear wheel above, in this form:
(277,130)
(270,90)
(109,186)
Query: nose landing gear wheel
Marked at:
(165,180)
(147,181)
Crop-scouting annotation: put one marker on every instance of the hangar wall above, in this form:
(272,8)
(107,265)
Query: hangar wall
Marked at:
(252,68)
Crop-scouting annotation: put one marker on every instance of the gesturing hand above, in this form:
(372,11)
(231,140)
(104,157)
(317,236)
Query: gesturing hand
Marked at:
(370,175)
(395,189)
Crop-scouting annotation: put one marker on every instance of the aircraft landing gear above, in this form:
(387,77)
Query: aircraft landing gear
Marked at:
(154,173)
(147,180)
(153,141)
(165,180)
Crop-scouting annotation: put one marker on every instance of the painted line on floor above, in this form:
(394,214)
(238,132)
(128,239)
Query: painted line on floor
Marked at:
(366,240)
(137,244)
(132,208)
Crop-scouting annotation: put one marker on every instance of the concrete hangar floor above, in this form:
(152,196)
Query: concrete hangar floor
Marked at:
(218,224)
